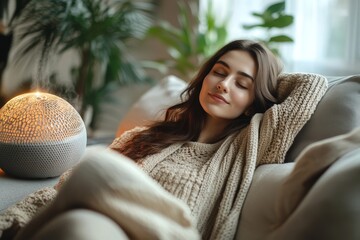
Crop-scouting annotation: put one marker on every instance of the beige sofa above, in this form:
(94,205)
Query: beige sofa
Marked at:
(330,210)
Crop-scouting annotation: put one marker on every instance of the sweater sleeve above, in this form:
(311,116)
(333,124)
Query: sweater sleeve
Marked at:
(298,94)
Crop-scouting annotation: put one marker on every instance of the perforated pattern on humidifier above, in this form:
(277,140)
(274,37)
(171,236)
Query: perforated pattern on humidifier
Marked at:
(41,135)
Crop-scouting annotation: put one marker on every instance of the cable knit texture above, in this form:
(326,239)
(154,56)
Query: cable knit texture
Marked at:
(16,216)
(213,179)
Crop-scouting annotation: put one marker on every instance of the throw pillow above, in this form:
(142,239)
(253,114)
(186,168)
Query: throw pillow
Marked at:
(152,105)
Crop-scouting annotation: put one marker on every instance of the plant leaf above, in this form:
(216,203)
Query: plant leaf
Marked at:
(280,22)
(256,14)
(251,26)
(281,38)
(276,7)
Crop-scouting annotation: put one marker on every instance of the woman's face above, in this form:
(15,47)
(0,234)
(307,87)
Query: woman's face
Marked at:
(228,90)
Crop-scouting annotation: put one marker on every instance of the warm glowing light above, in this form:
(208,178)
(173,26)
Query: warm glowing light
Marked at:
(38,117)
(41,135)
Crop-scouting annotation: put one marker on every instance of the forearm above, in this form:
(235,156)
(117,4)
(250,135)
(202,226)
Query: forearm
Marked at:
(299,95)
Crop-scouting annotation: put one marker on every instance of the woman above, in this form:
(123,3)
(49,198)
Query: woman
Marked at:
(236,114)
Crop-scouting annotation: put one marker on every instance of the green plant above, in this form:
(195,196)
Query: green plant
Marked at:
(273,17)
(188,44)
(100,32)
(6,35)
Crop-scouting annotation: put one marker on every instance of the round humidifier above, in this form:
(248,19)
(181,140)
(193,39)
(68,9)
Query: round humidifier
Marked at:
(41,136)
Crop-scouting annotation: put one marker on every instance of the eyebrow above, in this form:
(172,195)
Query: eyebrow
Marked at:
(238,72)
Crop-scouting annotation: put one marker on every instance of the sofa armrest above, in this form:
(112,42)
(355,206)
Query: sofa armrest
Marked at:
(330,210)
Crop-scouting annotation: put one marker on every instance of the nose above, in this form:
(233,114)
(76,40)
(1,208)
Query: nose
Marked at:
(222,86)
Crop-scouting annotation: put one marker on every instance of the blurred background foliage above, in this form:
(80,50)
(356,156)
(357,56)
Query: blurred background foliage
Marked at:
(270,21)
(99,31)
(103,33)
(192,41)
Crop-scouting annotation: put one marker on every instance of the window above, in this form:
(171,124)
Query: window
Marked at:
(326,32)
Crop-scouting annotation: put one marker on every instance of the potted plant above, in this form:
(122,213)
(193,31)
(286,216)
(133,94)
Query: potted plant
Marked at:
(273,17)
(99,31)
(188,44)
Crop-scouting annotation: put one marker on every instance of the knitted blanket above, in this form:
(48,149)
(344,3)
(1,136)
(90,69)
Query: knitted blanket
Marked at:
(16,216)
(265,140)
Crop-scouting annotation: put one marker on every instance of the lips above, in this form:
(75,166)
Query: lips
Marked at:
(218,98)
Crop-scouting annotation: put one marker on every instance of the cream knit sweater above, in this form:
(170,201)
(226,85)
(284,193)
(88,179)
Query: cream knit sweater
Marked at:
(213,179)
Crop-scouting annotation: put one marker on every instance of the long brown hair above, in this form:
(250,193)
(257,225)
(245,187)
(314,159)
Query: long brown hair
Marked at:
(184,121)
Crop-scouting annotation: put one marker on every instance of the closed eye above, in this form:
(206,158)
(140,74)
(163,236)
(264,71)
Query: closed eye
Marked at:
(239,85)
(218,73)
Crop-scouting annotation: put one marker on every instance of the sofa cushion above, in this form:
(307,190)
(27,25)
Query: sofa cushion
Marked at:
(153,103)
(257,216)
(320,215)
(330,209)
(337,113)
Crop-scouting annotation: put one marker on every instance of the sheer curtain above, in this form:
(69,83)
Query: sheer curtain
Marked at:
(326,32)
(327,36)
